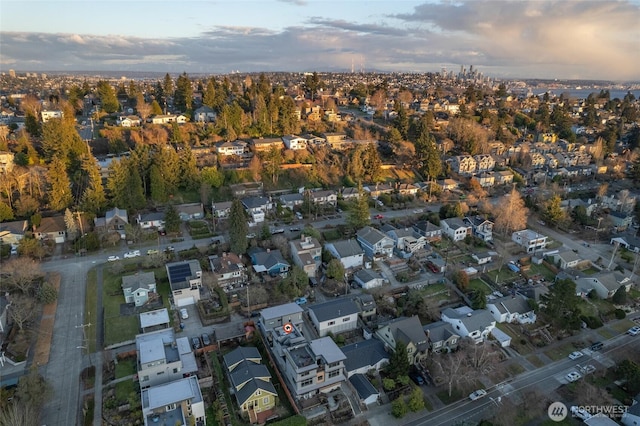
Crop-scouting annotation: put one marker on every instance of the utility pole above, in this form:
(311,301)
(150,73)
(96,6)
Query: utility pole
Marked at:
(84,339)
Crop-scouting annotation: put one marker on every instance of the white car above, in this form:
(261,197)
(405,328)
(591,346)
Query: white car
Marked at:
(130,254)
(575,355)
(580,413)
(634,331)
(478,394)
(183,313)
(588,369)
(113,258)
(573,376)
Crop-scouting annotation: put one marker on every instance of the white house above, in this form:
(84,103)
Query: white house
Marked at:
(605,283)
(364,356)
(455,228)
(348,252)
(469,323)
(173,403)
(375,243)
(511,309)
(236,147)
(137,287)
(185,281)
(294,142)
(368,279)
(335,316)
(531,241)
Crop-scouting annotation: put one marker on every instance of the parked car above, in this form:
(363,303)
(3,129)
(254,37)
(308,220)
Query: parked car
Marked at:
(205,339)
(301,300)
(130,254)
(251,235)
(575,355)
(170,249)
(634,331)
(597,346)
(478,394)
(113,258)
(417,379)
(378,216)
(588,369)
(152,251)
(298,215)
(195,342)
(573,376)
(183,313)
(580,413)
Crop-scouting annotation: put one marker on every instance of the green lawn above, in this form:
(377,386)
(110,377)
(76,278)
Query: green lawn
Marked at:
(541,270)
(533,359)
(432,289)
(478,284)
(560,352)
(504,276)
(606,334)
(91,310)
(623,326)
(117,328)
(522,349)
(126,367)
(124,389)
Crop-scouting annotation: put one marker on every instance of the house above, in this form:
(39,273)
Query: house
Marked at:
(627,240)
(631,417)
(407,241)
(511,309)
(228,271)
(51,228)
(173,403)
(154,320)
(464,165)
(605,283)
(367,393)
(257,207)
(12,232)
(161,358)
(455,228)
(251,383)
(137,287)
(482,257)
(620,220)
(185,281)
(408,331)
(427,229)
(485,179)
(204,114)
(529,240)
(566,259)
(448,184)
(269,261)
(312,367)
(475,324)
(129,121)
(367,305)
(168,118)
(265,144)
(368,279)
(324,197)
(348,252)
(407,189)
(378,190)
(190,211)
(221,210)
(113,220)
(153,220)
(291,201)
(480,227)
(237,147)
(277,316)
(47,115)
(336,140)
(484,162)
(294,142)
(6,161)
(306,252)
(350,193)
(441,336)
(335,316)
(364,356)
(374,242)
(504,177)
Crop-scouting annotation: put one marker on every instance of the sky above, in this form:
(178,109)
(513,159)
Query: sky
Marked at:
(564,39)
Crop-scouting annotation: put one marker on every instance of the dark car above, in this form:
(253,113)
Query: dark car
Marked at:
(205,339)
(195,342)
(417,379)
(597,346)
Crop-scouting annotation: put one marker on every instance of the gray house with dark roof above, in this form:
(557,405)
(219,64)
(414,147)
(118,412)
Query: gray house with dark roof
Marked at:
(368,279)
(348,252)
(408,331)
(136,288)
(512,309)
(240,354)
(375,243)
(335,316)
(475,325)
(441,336)
(364,356)
(367,393)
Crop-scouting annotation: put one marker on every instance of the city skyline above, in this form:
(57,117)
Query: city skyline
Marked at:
(525,39)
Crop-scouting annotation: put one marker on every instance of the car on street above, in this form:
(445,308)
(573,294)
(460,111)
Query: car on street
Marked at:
(597,346)
(575,355)
(580,413)
(294,229)
(301,300)
(633,331)
(152,251)
(131,254)
(183,313)
(195,342)
(251,235)
(478,394)
(378,216)
(170,249)
(573,376)
(417,379)
(205,339)
(113,258)
(588,369)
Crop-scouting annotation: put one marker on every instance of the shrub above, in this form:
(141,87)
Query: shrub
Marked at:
(398,408)
(388,384)
(620,314)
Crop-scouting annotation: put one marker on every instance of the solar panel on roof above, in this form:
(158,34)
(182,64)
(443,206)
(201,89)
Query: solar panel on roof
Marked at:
(178,273)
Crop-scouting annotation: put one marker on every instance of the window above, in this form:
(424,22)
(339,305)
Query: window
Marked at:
(331,323)
(346,319)
(333,364)
(306,373)
(334,373)
(306,383)
(265,400)
(145,378)
(258,392)
(175,370)
(160,372)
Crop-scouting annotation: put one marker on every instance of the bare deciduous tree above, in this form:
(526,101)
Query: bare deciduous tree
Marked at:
(451,369)
(22,310)
(511,213)
(18,413)
(21,274)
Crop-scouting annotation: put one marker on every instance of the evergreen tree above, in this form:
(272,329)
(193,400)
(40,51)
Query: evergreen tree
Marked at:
(6,213)
(272,162)
(238,228)
(60,192)
(158,187)
(189,176)
(108,98)
(373,163)
(358,215)
(168,162)
(156,109)
(212,176)
(561,304)
(167,86)
(209,97)
(183,98)
(427,155)
(70,222)
(32,125)
(125,185)
(553,212)
(171,219)
(401,122)
(93,197)
(399,361)
(60,138)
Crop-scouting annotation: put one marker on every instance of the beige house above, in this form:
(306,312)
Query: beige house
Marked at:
(408,331)
(307,254)
(185,280)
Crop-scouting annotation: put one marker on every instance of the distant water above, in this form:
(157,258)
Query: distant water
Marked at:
(584,93)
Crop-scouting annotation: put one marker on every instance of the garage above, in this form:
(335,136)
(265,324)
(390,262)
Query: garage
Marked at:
(185,301)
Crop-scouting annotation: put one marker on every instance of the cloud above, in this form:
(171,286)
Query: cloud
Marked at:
(545,39)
